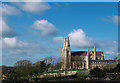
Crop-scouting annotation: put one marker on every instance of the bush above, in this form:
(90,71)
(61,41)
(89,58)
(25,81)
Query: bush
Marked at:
(97,72)
(80,76)
(117,77)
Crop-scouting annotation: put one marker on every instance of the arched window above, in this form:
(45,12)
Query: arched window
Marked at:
(84,65)
(96,58)
(91,56)
(81,65)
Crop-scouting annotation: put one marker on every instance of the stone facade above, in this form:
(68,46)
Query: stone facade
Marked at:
(83,59)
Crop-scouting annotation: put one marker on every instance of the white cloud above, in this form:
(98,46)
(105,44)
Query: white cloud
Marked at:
(45,27)
(111,19)
(9,10)
(13,49)
(5,30)
(11,42)
(5,10)
(78,38)
(109,52)
(109,47)
(17,47)
(34,7)
(58,39)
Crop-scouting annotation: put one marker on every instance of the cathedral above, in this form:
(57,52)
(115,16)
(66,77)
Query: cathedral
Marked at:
(83,59)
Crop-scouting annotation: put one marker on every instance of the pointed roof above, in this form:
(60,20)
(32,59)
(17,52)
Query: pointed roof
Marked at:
(68,43)
(64,44)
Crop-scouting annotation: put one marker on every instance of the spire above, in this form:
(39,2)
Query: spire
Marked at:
(65,38)
(64,42)
(67,41)
(94,48)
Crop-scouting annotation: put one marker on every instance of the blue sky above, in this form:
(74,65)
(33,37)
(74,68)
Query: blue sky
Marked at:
(34,31)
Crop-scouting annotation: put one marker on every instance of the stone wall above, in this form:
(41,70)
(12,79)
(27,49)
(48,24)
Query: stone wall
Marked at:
(103,64)
(65,73)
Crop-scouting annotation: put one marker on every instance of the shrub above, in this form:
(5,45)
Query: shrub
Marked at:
(80,76)
(117,77)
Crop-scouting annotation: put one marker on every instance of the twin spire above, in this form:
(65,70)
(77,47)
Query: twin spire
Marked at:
(66,41)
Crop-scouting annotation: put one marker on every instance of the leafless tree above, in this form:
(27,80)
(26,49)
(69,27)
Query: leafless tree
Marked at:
(51,61)
(58,63)
(23,67)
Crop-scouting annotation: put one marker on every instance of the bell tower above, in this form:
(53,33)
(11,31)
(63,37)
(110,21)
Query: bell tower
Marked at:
(66,54)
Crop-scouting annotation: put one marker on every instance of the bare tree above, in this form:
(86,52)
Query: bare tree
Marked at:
(40,67)
(51,61)
(58,63)
(23,67)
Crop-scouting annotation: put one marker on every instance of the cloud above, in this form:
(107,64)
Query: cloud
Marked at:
(106,43)
(11,42)
(109,52)
(109,47)
(45,27)
(13,46)
(58,39)
(13,49)
(5,30)
(78,38)
(111,19)
(34,7)
(9,10)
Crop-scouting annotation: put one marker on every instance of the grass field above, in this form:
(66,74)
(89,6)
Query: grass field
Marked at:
(79,70)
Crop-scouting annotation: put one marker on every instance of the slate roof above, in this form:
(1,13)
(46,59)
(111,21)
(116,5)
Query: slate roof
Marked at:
(99,53)
(84,53)
(80,53)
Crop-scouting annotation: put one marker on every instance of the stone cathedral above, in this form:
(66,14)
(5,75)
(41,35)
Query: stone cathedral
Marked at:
(83,59)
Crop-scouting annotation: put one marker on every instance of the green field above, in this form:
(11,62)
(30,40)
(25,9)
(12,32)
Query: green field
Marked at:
(79,70)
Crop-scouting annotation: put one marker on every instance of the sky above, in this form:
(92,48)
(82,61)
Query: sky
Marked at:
(34,31)
(60,0)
